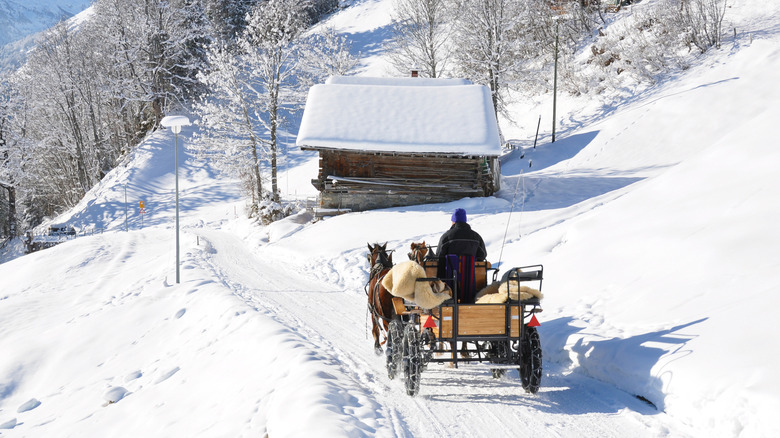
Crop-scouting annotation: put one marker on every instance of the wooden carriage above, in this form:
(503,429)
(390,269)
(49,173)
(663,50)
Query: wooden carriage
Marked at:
(502,336)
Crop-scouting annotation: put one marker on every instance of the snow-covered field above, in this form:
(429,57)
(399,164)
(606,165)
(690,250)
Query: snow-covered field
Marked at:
(656,224)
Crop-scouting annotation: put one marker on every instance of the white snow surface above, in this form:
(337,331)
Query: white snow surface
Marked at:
(656,223)
(398,115)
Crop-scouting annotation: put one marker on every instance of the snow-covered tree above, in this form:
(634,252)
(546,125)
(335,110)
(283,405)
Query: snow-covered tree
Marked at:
(228,17)
(90,92)
(319,8)
(8,108)
(660,38)
(420,37)
(156,48)
(231,132)
(325,54)
(250,85)
(703,22)
(272,44)
(484,35)
(256,79)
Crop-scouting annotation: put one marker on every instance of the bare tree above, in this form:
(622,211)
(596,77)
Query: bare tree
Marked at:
(326,54)
(90,93)
(251,83)
(8,108)
(421,37)
(702,20)
(228,118)
(272,45)
(486,53)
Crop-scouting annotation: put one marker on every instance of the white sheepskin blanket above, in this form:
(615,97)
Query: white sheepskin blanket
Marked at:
(499,291)
(401,281)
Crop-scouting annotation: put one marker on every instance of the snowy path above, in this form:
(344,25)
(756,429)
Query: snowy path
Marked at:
(462,402)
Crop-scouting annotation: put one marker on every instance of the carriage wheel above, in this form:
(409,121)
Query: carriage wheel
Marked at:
(412,359)
(530,360)
(427,343)
(394,349)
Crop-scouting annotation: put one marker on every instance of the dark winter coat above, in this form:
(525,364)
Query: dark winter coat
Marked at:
(460,239)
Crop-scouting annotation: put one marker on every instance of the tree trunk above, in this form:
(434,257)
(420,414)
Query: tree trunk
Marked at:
(274,110)
(11,230)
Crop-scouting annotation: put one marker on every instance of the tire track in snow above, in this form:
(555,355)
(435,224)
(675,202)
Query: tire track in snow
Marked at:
(452,402)
(260,286)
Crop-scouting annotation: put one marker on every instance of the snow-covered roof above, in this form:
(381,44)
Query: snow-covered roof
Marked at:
(362,80)
(407,115)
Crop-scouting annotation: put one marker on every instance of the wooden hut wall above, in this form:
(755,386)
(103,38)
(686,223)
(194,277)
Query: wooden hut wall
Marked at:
(363,181)
(463,171)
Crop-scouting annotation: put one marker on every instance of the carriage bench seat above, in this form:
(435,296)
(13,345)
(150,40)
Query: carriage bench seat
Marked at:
(524,276)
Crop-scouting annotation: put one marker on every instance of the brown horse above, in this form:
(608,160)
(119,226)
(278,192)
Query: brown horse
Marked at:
(380,301)
(418,252)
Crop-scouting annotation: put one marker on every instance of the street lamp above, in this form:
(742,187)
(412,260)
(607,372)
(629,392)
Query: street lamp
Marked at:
(555,78)
(175,123)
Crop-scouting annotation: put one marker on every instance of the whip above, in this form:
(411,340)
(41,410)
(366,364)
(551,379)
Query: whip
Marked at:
(511,209)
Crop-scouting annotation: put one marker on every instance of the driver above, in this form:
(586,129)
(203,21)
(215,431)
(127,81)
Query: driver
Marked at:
(460,240)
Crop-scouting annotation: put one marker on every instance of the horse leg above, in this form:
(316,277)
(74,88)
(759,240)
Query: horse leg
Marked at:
(375,333)
(453,351)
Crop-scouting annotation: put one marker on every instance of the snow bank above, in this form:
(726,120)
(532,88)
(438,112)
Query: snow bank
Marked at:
(105,335)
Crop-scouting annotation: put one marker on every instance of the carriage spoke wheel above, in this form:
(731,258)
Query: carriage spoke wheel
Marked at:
(394,351)
(530,361)
(412,359)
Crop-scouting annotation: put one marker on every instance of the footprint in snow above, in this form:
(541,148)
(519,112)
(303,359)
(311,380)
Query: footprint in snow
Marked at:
(167,375)
(114,394)
(132,376)
(10,424)
(180,313)
(28,405)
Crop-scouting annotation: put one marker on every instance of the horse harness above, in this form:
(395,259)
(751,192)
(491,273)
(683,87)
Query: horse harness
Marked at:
(376,272)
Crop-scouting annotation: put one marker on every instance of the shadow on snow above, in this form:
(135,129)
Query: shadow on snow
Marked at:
(527,159)
(639,354)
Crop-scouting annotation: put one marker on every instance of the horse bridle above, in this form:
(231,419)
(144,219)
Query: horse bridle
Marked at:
(382,262)
(417,253)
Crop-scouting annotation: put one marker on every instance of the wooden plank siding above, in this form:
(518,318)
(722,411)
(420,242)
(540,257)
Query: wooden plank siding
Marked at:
(360,180)
(481,319)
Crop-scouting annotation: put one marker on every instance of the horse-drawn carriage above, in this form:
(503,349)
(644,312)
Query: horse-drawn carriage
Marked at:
(500,333)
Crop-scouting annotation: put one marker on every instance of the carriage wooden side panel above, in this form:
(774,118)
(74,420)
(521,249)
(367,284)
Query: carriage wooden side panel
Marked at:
(480,319)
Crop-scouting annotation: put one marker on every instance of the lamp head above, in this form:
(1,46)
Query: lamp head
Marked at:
(175,123)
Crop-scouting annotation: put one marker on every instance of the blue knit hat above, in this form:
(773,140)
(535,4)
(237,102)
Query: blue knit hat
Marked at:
(459,215)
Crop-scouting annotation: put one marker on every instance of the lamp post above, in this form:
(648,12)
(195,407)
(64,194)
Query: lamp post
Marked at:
(175,123)
(555,78)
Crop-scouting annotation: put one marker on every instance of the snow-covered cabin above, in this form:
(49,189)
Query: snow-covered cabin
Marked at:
(402,141)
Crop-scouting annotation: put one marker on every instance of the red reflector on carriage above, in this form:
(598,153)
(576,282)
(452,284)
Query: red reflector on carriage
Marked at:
(429,323)
(533,322)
